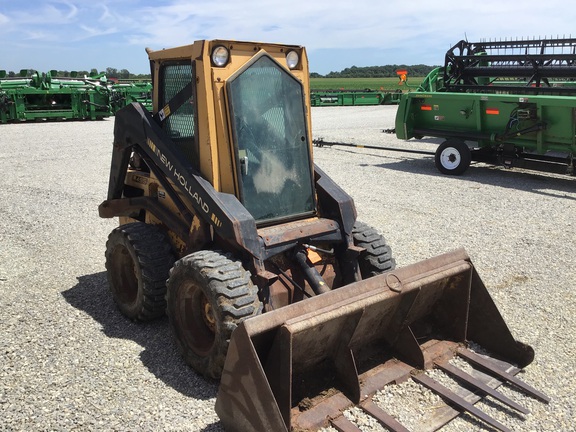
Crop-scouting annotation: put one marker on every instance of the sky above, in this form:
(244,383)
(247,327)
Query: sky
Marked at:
(86,34)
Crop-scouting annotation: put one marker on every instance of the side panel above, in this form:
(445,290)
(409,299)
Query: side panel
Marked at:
(537,123)
(404,117)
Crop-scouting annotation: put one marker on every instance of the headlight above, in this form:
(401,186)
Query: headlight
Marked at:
(220,56)
(292,59)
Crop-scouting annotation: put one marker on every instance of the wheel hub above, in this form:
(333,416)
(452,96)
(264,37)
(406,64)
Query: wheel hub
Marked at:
(208,314)
(450,158)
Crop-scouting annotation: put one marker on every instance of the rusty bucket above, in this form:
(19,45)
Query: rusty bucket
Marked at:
(300,367)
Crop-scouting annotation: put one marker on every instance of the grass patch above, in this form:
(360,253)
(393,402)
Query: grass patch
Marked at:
(389,83)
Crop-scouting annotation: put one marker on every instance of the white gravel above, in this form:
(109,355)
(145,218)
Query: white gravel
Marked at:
(70,361)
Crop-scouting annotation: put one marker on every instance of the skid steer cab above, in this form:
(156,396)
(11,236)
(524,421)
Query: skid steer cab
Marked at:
(255,254)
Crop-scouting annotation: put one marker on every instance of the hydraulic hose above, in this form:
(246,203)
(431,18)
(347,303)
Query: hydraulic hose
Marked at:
(312,275)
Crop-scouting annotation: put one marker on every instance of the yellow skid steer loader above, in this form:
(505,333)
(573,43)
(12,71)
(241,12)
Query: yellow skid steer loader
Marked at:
(269,281)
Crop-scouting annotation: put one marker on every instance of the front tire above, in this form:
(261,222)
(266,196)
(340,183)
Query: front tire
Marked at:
(452,157)
(208,296)
(138,259)
(377,258)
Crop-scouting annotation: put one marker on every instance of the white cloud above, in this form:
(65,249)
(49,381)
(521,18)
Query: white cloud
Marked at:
(407,32)
(343,24)
(96,31)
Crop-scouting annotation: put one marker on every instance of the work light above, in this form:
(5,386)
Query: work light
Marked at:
(292,59)
(220,56)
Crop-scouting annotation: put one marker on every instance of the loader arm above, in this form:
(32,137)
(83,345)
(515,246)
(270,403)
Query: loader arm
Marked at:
(136,130)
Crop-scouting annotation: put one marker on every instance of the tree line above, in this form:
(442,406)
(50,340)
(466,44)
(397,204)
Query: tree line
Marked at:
(122,74)
(377,71)
(351,72)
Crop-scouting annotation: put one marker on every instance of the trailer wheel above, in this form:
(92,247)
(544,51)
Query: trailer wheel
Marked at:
(208,296)
(138,259)
(452,157)
(378,255)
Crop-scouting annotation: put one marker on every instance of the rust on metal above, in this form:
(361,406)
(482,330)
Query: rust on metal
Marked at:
(460,402)
(300,367)
(383,417)
(342,424)
(489,366)
(479,385)
(288,232)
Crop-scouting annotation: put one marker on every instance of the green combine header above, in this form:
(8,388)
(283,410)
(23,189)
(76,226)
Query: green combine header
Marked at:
(354,97)
(43,96)
(124,93)
(511,103)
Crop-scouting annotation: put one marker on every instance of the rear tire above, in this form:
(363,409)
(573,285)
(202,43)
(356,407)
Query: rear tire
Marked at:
(208,296)
(138,259)
(452,157)
(378,255)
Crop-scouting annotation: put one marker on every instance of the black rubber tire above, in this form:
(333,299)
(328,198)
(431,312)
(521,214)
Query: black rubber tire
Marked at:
(208,296)
(378,255)
(138,261)
(452,157)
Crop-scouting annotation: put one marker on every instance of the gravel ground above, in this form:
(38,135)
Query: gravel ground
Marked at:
(70,361)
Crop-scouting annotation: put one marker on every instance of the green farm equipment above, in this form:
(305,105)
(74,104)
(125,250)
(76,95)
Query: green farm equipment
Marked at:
(354,98)
(45,97)
(510,103)
(124,93)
